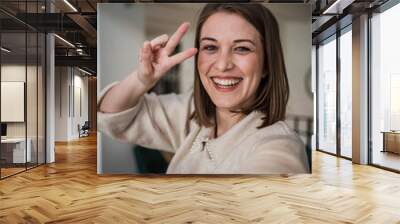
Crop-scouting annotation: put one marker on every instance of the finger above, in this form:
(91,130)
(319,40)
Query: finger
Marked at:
(159,41)
(182,56)
(146,54)
(176,38)
(140,55)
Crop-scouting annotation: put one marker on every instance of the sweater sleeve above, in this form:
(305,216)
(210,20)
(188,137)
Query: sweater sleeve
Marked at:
(279,154)
(156,121)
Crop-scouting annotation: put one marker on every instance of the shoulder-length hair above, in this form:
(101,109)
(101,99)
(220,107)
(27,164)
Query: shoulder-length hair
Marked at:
(273,92)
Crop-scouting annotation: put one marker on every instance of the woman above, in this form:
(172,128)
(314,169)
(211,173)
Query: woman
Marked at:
(233,121)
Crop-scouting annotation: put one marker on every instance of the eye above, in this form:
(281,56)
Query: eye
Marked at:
(209,48)
(242,49)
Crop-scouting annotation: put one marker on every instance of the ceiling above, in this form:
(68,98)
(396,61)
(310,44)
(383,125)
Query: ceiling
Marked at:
(76,22)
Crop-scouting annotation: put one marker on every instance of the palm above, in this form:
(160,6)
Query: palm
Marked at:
(160,62)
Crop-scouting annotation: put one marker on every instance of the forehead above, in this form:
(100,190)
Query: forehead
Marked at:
(228,25)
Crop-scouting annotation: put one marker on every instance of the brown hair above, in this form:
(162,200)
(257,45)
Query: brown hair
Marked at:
(273,92)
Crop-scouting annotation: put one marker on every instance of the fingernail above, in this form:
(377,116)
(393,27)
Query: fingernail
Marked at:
(185,24)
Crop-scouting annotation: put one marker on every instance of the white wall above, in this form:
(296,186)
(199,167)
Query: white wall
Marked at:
(12,73)
(80,83)
(33,125)
(67,80)
(61,103)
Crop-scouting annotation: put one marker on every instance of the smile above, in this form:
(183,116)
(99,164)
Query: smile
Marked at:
(227,84)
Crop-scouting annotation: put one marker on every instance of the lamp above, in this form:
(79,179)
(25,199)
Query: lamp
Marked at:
(337,7)
(5,50)
(84,71)
(64,40)
(70,5)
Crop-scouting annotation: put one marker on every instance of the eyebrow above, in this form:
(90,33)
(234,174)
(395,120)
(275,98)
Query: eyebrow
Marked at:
(235,41)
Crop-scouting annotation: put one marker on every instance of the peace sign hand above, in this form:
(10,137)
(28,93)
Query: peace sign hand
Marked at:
(155,57)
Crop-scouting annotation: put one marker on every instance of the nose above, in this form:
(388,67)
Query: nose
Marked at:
(224,61)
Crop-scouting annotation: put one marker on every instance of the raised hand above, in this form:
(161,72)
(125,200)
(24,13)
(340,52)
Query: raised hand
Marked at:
(154,62)
(155,58)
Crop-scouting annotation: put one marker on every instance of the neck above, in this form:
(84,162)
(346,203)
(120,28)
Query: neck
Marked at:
(226,119)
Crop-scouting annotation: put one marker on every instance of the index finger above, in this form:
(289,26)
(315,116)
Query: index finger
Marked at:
(176,38)
(159,41)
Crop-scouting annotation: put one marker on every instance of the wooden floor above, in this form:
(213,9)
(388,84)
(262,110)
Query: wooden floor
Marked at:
(10,171)
(70,191)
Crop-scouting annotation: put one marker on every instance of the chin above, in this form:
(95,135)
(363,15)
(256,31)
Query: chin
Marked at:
(226,103)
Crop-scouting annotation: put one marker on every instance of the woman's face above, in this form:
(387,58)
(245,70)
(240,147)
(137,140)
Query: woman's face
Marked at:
(230,60)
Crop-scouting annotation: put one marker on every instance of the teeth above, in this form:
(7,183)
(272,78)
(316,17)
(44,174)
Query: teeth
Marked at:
(226,82)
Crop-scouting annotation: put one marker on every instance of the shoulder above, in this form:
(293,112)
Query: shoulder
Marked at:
(279,135)
(277,149)
(278,130)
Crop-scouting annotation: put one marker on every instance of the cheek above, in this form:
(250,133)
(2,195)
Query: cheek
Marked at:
(203,63)
(251,66)
(202,68)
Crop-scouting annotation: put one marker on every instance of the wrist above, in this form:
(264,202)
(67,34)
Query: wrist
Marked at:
(134,83)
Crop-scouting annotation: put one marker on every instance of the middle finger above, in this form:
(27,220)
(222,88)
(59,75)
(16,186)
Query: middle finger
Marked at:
(159,41)
(176,38)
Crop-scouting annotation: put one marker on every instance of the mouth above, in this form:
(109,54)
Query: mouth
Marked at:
(226,83)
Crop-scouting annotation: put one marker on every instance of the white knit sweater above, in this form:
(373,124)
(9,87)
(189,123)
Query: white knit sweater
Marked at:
(161,122)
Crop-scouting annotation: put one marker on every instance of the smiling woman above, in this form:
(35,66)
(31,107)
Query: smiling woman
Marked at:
(233,120)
